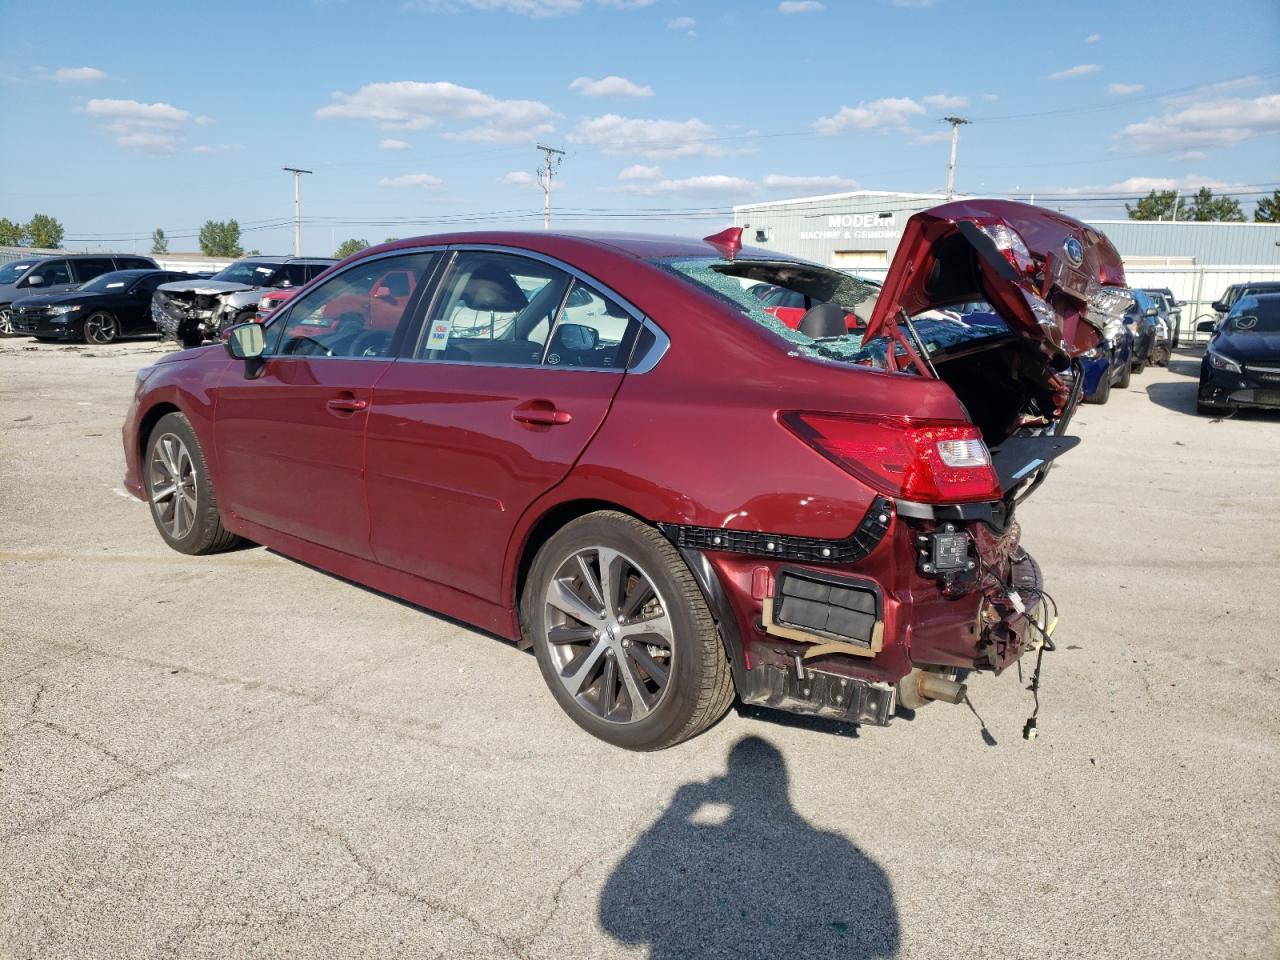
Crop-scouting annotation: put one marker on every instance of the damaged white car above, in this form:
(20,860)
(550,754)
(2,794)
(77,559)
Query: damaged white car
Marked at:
(192,311)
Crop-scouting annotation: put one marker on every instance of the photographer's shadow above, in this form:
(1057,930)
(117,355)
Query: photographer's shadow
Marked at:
(731,870)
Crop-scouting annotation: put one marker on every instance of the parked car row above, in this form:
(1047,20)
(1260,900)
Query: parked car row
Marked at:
(1241,364)
(97,298)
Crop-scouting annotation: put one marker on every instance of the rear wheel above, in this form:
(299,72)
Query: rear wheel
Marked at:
(1123,382)
(100,327)
(183,504)
(623,635)
(1103,393)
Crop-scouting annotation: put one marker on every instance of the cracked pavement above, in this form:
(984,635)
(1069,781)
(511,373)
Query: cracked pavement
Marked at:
(241,756)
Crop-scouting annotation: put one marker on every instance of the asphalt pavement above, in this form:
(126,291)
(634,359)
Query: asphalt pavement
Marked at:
(241,756)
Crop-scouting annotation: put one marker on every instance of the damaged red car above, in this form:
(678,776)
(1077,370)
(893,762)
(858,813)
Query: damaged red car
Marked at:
(604,448)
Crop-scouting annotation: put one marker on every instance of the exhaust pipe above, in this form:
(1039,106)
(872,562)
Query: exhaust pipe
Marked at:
(921,686)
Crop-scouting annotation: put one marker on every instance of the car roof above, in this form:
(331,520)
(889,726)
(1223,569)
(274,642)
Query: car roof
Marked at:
(1262,285)
(643,246)
(271,259)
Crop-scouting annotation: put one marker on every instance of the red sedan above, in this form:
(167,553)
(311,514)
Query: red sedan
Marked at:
(606,449)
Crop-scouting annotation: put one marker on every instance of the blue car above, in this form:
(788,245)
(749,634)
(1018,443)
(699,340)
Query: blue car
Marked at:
(1109,364)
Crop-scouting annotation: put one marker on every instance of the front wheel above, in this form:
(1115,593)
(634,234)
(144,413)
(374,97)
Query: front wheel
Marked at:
(1103,393)
(180,492)
(623,635)
(6,321)
(1123,382)
(100,327)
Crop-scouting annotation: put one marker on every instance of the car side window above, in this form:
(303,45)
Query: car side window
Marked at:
(294,273)
(353,314)
(494,308)
(51,273)
(592,331)
(89,267)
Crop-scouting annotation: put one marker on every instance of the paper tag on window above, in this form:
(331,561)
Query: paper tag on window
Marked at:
(438,339)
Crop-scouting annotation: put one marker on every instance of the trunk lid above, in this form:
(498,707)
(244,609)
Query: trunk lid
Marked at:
(1040,270)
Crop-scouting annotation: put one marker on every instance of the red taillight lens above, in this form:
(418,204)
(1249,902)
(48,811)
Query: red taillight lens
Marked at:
(1011,244)
(925,461)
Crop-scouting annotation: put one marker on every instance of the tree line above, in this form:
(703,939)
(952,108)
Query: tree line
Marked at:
(1202,207)
(41,230)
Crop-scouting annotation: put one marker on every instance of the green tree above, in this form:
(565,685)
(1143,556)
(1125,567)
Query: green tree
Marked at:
(44,231)
(1158,205)
(1268,209)
(1205,206)
(159,242)
(11,234)
(348,247)
(219,238)
(391,240)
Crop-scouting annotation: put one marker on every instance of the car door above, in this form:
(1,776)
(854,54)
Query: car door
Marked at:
(86,268)
(490,409)
(290,442)
(52,276)
(135,308)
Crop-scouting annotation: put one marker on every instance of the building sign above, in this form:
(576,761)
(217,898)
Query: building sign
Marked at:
(857,226)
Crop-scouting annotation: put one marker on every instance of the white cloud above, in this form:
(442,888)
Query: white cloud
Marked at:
(711,184)
(149,127)
(218,148)
(519,178)
(610,86)
(1079,70)
(1213,89)
(409,180)
(640,171)
(938,136)
(1093,38)
(649,138)
(414,105)
(1209,124)
(800,6)
(940,101)
(891,113)
(776,181)
(390,144)
(78,74)
(1123,89)
(1142,185)
(683,23)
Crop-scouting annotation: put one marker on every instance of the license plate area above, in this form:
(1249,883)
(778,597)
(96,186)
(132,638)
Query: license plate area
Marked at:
(838,614)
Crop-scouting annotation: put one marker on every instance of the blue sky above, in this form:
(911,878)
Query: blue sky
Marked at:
(164,114)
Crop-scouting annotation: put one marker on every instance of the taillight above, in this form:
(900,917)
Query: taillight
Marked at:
(924,461)
(1010,243)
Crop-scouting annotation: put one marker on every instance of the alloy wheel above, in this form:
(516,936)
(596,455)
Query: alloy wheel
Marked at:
(609,634)
(100,328)
(6,322)
(172,482)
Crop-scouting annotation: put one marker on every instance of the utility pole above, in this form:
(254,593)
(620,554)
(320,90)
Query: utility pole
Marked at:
(956,123)
(297,207)
(545,175)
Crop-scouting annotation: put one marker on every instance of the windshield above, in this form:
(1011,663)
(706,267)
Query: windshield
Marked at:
(252,273)
(1254,315)
(107,282)
(807,285)
(10,272)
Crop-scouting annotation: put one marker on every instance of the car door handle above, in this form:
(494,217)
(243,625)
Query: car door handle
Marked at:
(540,413)
(347,403)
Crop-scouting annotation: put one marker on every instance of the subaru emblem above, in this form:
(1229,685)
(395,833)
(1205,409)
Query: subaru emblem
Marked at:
(1074,252)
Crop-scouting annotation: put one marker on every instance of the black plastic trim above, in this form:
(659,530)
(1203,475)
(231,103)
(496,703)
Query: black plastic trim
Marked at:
(726,619)
(874,525)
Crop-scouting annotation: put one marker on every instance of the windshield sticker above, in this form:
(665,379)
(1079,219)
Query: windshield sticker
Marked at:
(117,284)
(438,339)
(264,270)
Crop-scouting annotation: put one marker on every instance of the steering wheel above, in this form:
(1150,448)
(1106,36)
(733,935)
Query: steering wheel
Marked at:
(305,346)
(371,343)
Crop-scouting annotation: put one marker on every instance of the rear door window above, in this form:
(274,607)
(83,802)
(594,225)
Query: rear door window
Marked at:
(90,267)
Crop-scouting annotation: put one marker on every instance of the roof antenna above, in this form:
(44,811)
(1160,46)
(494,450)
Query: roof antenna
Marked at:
(728,242)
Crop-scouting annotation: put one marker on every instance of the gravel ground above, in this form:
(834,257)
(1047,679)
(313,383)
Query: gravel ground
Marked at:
(241,756)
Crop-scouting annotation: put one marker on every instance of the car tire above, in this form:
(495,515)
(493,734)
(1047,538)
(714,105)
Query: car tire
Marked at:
(179,490)
(1103,393)
(671,681)
(100,328)
(6,321)
(1137,366)
(1123,382)
(1161,357)
(244,316)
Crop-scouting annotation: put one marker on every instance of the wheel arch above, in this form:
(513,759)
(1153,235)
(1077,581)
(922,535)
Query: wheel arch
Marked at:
(147,422)
(553,519)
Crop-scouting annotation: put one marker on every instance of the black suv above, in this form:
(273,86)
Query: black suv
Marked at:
(30,276)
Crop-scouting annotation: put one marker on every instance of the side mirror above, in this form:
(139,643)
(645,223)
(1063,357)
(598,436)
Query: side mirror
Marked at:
(34,281)
(1219,306)
(246,341)
(576,336)
(1206,326)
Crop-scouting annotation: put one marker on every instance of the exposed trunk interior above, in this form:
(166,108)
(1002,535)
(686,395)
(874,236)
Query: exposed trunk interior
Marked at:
(1002,386)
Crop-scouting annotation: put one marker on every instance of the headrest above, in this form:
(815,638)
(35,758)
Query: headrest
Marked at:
(491,288)
(823,320)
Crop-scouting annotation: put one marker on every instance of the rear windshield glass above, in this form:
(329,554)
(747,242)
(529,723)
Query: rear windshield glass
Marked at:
(108,281)
(805,285)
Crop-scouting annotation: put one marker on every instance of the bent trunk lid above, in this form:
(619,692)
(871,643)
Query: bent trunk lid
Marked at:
(1042,289)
